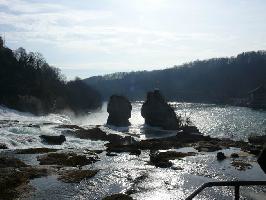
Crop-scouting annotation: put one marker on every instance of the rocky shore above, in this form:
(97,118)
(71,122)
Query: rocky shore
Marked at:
(76,165)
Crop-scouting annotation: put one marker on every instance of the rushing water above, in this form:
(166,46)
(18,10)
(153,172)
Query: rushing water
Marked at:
(124,172)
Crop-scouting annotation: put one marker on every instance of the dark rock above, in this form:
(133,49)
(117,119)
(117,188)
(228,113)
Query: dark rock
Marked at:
(13,174)
(162,159)
(119,109)
(241,165)
(108,153)
(75,176)
(3,146)
(53,139)
(66,159)
(35,151)
(118,197)
(262,160)
(198,141)
(220,156)
(190,129)
(234,155)
(97,134)
(157,112)
(137,152)
(33,126)
(11,162)
(133,150)
(260,140)
(92,134)
(208,146)
(176,168)
(70,126)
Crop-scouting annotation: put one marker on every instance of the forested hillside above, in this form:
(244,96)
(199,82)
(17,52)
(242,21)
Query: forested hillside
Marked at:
(29,83)
(217,80)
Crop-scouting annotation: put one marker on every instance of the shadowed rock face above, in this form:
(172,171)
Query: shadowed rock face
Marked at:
(119,109)
(262,160)
(157,112)
(53,139)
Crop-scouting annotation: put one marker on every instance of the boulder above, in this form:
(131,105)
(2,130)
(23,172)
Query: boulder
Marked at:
(66,159)
(162,159)
(53,139)
(157,112)
(234,155)
(119,109)
(76,175)
(262,160)
(220,156)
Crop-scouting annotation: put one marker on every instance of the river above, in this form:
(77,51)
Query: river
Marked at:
(119,173)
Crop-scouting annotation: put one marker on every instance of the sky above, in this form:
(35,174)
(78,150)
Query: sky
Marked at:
(93,37)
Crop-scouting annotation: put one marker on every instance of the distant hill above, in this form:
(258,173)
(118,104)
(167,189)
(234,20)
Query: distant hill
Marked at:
(216,80)
(29,83)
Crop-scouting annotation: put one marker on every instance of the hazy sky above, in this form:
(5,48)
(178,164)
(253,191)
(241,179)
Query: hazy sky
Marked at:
(90,37)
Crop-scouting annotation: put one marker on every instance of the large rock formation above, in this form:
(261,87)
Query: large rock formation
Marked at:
(157,112)
(119,109)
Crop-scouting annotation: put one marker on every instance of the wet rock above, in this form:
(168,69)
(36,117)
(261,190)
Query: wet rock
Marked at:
(97,151)
(262,160)
(119,109)
(176,168)
(53,139)
(157,112)
(108,153)
(75,176)
(241,165)
(33,126)
(9,180)
(207,146)
(97,134)
(136,152)
(162,159)
(12,178)
(254,149)
(15,173)
(66,159)
(234,155)
(190,129)
(92,134)
(35,151)
(70,126)
(261,140)
(118,197)
(133,150)
(11,162)
(134,188)
(198,141)
(220,156)
(3,146)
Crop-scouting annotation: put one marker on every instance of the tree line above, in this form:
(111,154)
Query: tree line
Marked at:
(29,83)
(216,80)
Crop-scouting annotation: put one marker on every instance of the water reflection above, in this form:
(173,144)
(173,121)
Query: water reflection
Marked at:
(218,121)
